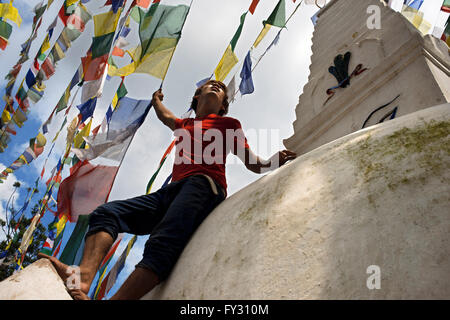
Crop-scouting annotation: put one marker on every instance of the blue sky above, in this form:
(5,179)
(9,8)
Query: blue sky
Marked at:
(278,81)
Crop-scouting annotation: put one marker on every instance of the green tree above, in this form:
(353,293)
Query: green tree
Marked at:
(39,237)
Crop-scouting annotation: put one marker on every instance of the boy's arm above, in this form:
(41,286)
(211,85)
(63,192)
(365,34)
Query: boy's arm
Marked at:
(256,164)
(164,114)
(252,161)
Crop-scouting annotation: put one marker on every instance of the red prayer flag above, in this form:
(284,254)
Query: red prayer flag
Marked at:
(57,249)
(62,15)
(110,253)
(102,290)
(95,130)
(3,43)
(118,52)
(94,68)
(48,68)
(253,6)
(143,3)
(87,187)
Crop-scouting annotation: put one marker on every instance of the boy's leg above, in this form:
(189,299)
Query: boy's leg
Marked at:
(190,206)
(137,216)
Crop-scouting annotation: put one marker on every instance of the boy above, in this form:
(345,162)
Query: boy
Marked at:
(173,213)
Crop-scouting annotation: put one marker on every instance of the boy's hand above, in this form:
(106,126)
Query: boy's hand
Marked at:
(157,96)
(285,156)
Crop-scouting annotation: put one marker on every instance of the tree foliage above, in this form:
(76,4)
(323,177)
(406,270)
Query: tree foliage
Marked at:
(39,237)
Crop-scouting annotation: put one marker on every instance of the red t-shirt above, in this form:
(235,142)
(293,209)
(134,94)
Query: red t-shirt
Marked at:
(203,144)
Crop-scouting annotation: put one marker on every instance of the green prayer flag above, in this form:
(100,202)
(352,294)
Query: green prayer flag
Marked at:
(278,17)
(102,45)
(145,32)
(122,91)
(75,240)
(238,32)
(5,29)
(135,14)
(161,21)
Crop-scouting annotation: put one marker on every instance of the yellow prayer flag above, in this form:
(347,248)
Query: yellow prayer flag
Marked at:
(58,53)
(71,130)
(46,44)
(155,62)
(60,224)
(114,101)
(56,136)
(23,158)
(106,22)
(262,34)
(40,140)
(7,11)
(71,2)
(416,18)
(6,116)
(78,140)
(228,61)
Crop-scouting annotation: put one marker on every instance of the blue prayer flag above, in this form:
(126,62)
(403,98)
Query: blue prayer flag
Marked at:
(246,85)
(415,4)
(87,108)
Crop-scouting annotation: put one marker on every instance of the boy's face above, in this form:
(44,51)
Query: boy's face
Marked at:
(212,90)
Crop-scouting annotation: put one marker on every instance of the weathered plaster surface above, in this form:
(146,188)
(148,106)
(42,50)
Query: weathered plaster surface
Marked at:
(309,230)
(38,281)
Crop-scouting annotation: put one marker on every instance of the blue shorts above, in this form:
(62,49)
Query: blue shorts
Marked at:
(170,215)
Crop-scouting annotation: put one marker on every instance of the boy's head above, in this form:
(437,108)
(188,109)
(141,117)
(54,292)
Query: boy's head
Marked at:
(212,89)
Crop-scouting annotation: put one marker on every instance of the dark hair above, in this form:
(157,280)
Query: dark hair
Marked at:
(225,102)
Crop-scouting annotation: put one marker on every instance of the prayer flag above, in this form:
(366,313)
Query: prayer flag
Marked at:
(228,61)
(70,251)
(105,23)
(126,118)
(231,89)
(446,6)
(446,34)
(160,30)
(5,29)
(104,265)
(246,85)
(143,3)
(94,67)
(277,18)
(93,88)
(27,236)
(253,6)
(85,189)
(416,17)
(78,140)
(87,109)
(7,11)
(111,278)
(415,4)
(3,43)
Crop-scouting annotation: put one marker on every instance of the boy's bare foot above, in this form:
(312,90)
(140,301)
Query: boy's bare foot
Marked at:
(62,270)
(77,294)
(60,267)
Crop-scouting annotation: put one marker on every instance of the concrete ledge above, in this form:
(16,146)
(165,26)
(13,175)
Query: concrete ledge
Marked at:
(38,281)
